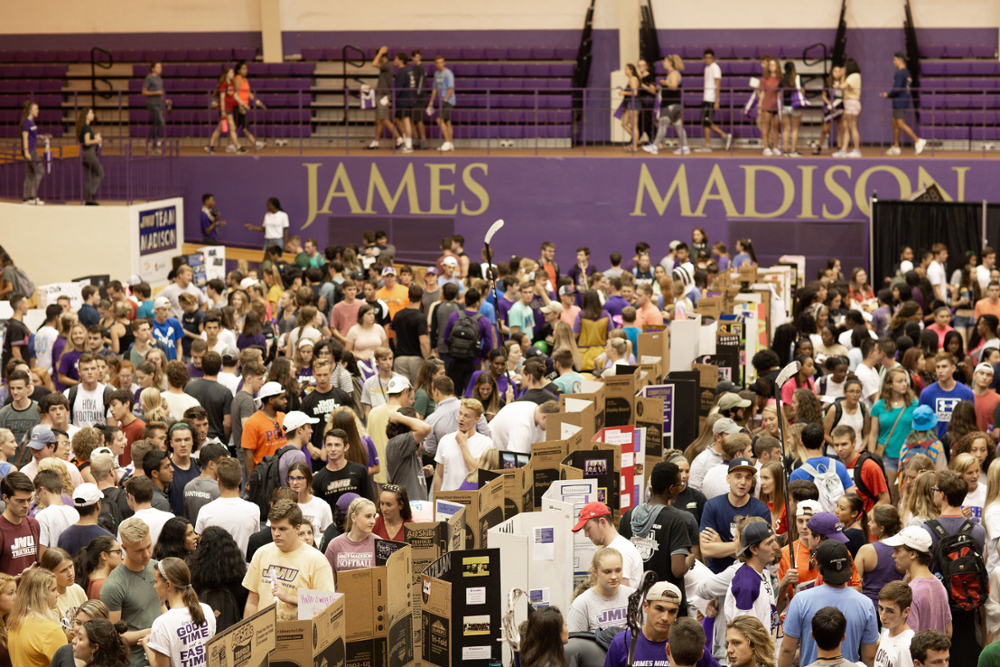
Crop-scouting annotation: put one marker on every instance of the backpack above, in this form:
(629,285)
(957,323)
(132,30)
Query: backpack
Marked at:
(111,515)
(829,484)
(75,389)
(265,478)
(25,285)
(863,489)
(463,343)
(960,565)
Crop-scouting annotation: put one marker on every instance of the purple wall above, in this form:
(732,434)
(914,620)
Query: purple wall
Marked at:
(132,40)
(430,39)
(807,206)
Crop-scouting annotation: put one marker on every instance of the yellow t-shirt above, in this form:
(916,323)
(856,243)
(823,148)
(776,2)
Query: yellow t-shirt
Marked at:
(853,90)
(68,602)
(306,567)
(378,419)
(274,294)
(35,642)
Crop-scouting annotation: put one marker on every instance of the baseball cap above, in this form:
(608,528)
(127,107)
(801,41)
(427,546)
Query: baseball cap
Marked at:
(905,266)
(161,302)
(246,283)
(674,244)
(344,502)
(725,425)
(431,270)
(724,387)
(270,389)
(553,307)
(812,506)
(834,561)
(591,511)
(295,419)
(567,289)
(397,385)
(900,55)
(730,401)
(103,450)
(664,591)
(450,261)
(86,494)
(41,436)
(230,356)
(827,523)
(357,275)
(753,534)
(914,537)
(984,367)
(742,463)
(388,270)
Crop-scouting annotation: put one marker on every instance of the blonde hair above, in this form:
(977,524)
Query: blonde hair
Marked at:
(919,502)
(357,505)
(58,466)
(992,484)
(676,62)
(5,580)
(153,407)
(133,530)
(595,565)
(472,404)
(32,598)
(962,462)
(44,378)
(758,636)
(564,339)
(488,460)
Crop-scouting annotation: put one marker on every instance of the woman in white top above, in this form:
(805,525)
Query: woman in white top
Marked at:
(275,225)
(991,516)
(314,510)
(601,593)
(967,466)
(850,413)
(182,629)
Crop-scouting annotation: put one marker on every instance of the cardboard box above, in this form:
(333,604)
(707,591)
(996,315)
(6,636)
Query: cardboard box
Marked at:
(619,401)
(649,415)
(246,644)
(651,371)
(546,461)
(576,411)
(518,491)
(654,345)
(710,306)
(380,623)
(708,380)
(321,640)
(594,392)
(483,508)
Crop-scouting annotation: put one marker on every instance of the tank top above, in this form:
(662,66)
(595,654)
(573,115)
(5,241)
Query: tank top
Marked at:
(884,572)
(243,90)
(669,95)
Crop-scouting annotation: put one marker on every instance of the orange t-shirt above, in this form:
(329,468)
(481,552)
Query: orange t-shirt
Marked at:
(984,307)
(648,314)
(263,435)
(805,573)
(396,298)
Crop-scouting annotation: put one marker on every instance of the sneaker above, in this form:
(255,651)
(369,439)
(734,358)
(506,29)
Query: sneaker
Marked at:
(372,146)
(839,154)
(683,150)
(729,141)
(795,154)
(814,144)
(399,141)
(260,144)
(703,149)
(210,150)
(242,151)
(447,146)
(29,202)
(650,148)
(232,149)
(90,203)
(768,152)
(918,147)
(39,202)
(893,150)
(854,153)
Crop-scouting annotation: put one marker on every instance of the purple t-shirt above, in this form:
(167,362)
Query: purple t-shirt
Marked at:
(929,610)
(615,305)
(68,367)
(647,652)
(29,126)
(194,372)
(344,554)
(504,308)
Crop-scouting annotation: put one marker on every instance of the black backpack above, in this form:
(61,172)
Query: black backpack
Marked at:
(265,478)
(961,566)
(111,515)
(838,413)
(75,389)
(463,343)
(858,482)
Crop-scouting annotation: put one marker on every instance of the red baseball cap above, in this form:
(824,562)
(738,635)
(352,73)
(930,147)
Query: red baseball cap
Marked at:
(591,511)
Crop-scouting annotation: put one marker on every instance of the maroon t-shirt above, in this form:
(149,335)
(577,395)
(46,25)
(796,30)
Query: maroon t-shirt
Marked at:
(19,545)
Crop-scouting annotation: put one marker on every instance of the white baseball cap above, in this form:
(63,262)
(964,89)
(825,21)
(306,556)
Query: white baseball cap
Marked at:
(397,385)
(295,419)
(913,537)
(812,506)
(450,261)
(270,389)
(985,367)
(161,302)
(86,494)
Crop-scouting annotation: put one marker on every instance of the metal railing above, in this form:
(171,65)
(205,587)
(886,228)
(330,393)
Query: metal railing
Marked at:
(130,173)
(499,118)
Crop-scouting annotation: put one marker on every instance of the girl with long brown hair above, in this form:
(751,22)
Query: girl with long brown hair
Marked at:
(361,448)
(89,140)
(187,626)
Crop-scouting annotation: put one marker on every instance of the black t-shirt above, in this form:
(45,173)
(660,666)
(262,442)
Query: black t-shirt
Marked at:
(217,401)
(16,333)
(319,405)
(668,535)
(539,396)
(330,485)
(855,540)
(408,326)
(692,501)
(648,80)
(381,312)
(257,540)
(772,378)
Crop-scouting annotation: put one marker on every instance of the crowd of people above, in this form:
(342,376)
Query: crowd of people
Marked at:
(138,435)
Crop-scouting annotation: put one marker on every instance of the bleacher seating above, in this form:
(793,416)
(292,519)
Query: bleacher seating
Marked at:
(956,99)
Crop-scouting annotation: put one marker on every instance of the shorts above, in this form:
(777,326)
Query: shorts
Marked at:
(791,111)
(708,114)
(382,111)
(240,119)
(961,322)
(899,114)
(852,107)
(403,111)
(445,111)
(891,466)
(418,114)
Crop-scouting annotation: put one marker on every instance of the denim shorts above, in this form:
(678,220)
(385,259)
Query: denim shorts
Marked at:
(891,464)
(963,322)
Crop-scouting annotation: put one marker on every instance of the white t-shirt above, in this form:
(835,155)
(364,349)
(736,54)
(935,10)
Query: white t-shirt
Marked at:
(44,340)
(178,403)
(751,594)
(153,518)
(173,292)
(869,384)
(89,408)
(226,339)
(317,512)
(991,522)
(631,560)
(982,275)
(449,455)
(230,382)
(513,428)
(591,611)
(937,278)
(715,483)
(275,225)
(894,651)
(52,521)
(175,635)
(240,518)
(712,72)
(975,501)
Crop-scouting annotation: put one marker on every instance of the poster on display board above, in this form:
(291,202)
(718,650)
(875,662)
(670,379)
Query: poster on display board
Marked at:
(665,393)
(157,237)
(246,644)
(49,294)
(215,262)
(571,496)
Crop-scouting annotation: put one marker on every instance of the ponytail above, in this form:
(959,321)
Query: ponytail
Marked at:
(595,564)
(175,572)
(89,557)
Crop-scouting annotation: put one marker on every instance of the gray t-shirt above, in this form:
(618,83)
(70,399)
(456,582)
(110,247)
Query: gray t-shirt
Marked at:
(242,408)
(385,76)
(403,467)
(19,421)
(199,492)
(132,594)
(153,83)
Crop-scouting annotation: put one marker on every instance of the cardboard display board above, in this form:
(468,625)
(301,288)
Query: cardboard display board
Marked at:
(461,603)
(602,463)
(685,337)
(593,391)
(483,508)
(619,400)
(708,380)
(664,395)
(546,459)
(685,406)
(518,490)
(379,629)
(573,410)
(649,416)
(571,496)
(246,644)
(320,640)
(654,345)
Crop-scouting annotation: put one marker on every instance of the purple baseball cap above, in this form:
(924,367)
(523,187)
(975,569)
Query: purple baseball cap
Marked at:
(827,523)
(344,502)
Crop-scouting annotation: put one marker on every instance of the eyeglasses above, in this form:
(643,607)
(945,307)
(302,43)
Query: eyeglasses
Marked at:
(295,479)
(114,551)
(934,488)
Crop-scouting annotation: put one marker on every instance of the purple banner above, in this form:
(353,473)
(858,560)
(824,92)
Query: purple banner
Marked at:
(606,203)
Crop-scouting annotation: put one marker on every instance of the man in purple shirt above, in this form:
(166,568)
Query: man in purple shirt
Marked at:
(210,222)
(460,370)
(615,304)
(512,293)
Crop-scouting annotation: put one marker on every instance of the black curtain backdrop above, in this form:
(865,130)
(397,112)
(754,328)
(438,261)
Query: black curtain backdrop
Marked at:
(958,225)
